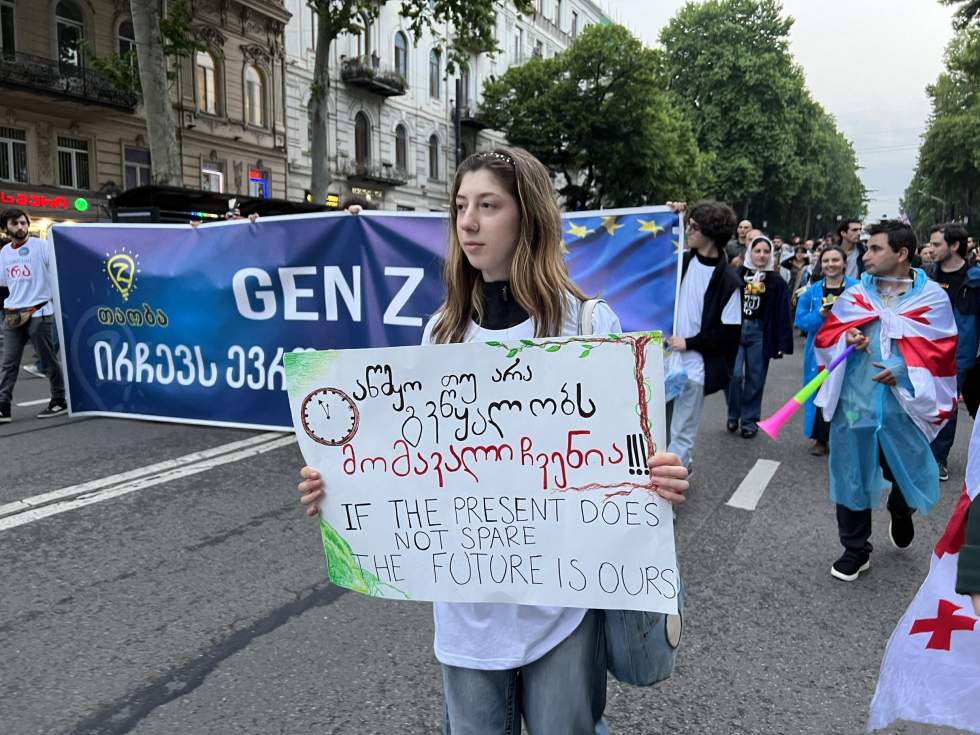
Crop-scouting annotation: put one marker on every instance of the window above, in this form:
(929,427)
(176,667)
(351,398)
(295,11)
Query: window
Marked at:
(138,171)
(71,33)
(254,97)
(401,147)
(539,49)
(7,47)
(434,156)
(558,14)
(464,86)
(574,24)
(258,183)
(364,38)
(212,177)
(127,38)
(362,139)
(434,74)
(204,74)
(13,155)
(72,163)
(401,54)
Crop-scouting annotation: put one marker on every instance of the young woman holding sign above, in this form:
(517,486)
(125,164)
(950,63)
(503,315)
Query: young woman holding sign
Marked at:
(506,279)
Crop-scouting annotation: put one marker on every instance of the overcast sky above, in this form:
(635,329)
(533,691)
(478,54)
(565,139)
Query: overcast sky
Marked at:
(875,87)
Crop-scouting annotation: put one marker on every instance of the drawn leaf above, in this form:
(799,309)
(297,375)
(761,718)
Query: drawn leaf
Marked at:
(613,336)
(527,342)
(553,348)
(495,344)
(585,352)
(513,352)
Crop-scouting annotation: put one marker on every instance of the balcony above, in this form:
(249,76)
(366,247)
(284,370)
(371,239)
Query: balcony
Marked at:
(471,117)
(374,173)
(47,76)
(367,73)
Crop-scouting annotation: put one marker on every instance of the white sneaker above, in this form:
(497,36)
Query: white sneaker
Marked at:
(33,371)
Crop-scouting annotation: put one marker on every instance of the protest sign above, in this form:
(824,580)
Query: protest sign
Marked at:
(511,471)
(174,323)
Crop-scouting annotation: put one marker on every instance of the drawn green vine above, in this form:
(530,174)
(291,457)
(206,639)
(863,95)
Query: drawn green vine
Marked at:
(550,346)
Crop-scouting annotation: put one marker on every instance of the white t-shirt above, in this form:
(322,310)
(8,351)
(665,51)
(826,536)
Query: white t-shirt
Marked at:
(494,636)
(24,271)
(689,310)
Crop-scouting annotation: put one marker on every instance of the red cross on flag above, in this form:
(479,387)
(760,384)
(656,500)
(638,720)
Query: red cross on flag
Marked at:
(931,669)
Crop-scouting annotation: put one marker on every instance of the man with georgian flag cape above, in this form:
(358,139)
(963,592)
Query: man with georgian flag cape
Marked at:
(890,398)
(931,669)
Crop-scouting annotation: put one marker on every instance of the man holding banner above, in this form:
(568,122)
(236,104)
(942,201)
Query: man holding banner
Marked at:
(28,313)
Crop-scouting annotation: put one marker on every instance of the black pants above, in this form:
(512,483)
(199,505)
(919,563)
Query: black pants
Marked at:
(821,429)
(854,526)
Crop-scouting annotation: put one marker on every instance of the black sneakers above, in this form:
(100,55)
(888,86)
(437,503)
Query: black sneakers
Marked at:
(732,426)
(943,472)
(5,413)
(55,408)
(901,530)
(850,565)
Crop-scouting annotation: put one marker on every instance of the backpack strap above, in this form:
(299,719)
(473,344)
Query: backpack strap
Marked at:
(585,312)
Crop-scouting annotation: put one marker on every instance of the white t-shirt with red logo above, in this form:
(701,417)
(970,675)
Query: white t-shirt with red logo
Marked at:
(24,271)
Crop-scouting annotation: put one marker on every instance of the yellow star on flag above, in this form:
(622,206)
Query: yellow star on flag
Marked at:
(651,226)
(677,247)
(609,224)
(577,230)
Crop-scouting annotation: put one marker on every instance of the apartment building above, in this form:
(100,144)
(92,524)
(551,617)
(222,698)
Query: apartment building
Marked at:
(392,131)
(69,139)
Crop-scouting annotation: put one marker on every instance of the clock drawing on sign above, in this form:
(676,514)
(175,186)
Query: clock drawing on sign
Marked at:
(330,417)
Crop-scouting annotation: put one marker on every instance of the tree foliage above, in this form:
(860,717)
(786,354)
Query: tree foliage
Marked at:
(471,21)
(778,156)
(967,13)
(599,115)
(948,167)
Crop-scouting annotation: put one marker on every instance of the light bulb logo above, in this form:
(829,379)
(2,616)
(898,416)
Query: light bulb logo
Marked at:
(122,268)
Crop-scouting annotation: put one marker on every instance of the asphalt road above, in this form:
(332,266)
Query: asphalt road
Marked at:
(197,603)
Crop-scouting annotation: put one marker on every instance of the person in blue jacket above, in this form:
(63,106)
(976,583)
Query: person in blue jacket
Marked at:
(767,334)
(811,311)
(961,282)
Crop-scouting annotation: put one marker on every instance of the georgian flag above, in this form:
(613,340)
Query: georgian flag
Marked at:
(926,334)
(931,669)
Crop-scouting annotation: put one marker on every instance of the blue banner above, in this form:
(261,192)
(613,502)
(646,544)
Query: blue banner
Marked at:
(174,323)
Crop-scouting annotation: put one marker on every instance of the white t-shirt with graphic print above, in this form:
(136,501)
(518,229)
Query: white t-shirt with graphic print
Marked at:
(24,271)
(494,636)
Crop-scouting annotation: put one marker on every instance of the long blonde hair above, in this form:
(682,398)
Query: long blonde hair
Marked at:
(538,276)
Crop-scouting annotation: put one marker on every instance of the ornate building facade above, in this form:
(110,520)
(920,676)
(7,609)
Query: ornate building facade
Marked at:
(393,135)
(69,139)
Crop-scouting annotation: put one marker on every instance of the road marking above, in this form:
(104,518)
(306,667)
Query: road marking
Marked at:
(749,491)
(58,501)
(35,403)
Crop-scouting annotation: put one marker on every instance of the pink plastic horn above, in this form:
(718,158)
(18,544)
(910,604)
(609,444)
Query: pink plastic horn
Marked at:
(774,424)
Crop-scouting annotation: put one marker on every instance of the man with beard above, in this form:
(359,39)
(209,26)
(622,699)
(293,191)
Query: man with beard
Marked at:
(947,249)
(28,313)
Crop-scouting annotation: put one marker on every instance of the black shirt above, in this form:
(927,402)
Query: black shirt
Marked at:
(830,294)
(500,308)
(754,294)
(951,282)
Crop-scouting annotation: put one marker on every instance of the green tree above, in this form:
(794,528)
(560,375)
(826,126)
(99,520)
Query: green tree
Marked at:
(947,173)
(774,149)
(968,12)
(471,21)
(598,114)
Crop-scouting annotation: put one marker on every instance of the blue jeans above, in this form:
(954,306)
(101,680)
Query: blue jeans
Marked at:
(683,418)
(944,439)
(749,377)
(562,693)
